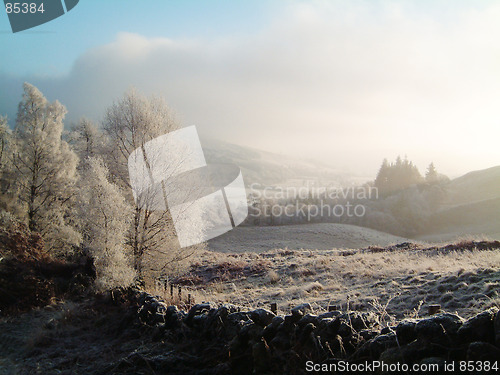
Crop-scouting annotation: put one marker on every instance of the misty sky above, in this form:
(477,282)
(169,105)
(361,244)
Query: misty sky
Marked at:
(346,82)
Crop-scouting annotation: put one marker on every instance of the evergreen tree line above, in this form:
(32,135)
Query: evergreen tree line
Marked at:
(403,202)
(402,174)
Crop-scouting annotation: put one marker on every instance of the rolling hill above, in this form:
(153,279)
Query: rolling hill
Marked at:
(475,186)
(267,168)
(323,236)
(471,208)
(471,204)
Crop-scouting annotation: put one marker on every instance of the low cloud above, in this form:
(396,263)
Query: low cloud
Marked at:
(348,83)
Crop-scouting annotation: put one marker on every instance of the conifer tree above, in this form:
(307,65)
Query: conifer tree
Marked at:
(45,169)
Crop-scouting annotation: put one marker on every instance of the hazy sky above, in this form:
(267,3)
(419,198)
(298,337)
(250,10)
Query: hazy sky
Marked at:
(347,82)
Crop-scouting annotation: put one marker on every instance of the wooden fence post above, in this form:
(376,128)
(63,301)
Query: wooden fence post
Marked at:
(434,309)
(274,308)
(332,308)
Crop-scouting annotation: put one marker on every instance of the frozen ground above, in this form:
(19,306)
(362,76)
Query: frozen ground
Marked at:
(322,236)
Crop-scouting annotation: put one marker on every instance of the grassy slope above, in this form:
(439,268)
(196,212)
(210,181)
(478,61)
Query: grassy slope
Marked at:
(472,207)
(460,280)
(318,236)
(475,186)
(92,337)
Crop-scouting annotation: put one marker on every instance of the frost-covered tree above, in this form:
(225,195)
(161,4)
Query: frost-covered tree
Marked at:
(129,124)
(106,216)
(6,149)
(45,169)
(86,139)
(5,138)
(8,189)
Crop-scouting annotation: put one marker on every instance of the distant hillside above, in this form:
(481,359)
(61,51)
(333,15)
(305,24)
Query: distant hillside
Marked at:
(475,187)
(471,207)
(268,168)
(475,219)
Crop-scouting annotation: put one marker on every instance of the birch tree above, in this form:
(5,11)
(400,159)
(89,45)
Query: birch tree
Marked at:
(86,139)
(45,169)
(106,217)
(129,124)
